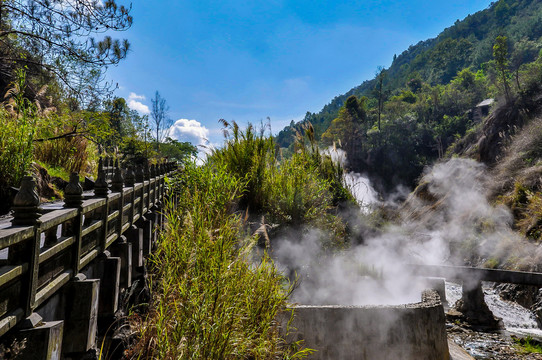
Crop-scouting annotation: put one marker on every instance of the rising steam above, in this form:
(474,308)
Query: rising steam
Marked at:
(447,220)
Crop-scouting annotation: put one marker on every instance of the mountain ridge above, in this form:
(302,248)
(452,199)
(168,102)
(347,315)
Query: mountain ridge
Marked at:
(465,44)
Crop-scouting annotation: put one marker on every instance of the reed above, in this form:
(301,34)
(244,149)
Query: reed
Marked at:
(18,122)
(211,299)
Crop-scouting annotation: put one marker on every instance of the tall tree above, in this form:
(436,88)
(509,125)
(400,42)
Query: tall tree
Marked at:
(118,112)
(500,53)
(380,75)
(347,128)
(160,117)
(57,35)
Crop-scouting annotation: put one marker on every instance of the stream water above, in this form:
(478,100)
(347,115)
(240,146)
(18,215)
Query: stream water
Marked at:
(517,321)
(516,318)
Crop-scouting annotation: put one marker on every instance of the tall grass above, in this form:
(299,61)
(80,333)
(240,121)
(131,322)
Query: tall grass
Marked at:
(19,120)
(70,153)
(210,300)
(299,197)
(246,155)
(295,193)
(314,160)
(250,154)
(21,123)
(303,191)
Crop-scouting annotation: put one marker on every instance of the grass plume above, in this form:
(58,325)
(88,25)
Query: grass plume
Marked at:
(210,300)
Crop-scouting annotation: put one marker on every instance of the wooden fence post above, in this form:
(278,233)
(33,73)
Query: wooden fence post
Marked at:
(101,190)
(25,208)
(73,198)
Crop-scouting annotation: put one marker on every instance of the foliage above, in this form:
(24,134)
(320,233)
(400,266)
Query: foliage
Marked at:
(209,301)
(517,181)
(19,121)
(118,114)
(56,36)
(178,150)
(428,91)
(55,171)
(500,53)
(348,128)
(245,155)
(314,160)
(70,153)
(294,192)
(528,345)
(250,155)
(160,118)
(298,196)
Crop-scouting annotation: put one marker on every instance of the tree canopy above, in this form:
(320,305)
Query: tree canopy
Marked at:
(347,128)
(160,118)
(58,36)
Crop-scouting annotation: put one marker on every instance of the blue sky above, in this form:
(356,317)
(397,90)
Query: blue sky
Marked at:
(249,60)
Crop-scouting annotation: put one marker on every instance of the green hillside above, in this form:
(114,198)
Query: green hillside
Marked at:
(425,94)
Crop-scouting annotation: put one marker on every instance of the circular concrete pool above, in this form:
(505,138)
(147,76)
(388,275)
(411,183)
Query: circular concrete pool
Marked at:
(410,332)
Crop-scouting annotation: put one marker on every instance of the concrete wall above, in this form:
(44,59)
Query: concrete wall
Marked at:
(413,331)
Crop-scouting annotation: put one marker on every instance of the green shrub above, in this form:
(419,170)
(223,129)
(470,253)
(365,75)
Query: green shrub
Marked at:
(527,345)
(69,153)
(294,192)
(304,189)
(210,301)
(18,120)
(245,155)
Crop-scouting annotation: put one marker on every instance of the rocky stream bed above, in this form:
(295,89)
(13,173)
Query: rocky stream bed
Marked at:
(518,322)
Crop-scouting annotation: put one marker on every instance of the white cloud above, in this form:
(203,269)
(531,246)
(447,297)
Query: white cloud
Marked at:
(139,107)
(189,130)
(134,96)
(134,104)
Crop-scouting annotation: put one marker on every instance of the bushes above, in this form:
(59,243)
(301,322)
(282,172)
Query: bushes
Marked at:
(69,153)
(21,123)
(17,129)
(245,156)
(288,189)
(210,302)
(294,192)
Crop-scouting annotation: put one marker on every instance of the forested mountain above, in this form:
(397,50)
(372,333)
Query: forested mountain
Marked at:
(416,108)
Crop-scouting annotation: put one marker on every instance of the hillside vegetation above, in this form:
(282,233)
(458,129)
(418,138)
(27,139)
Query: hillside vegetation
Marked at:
(409,114)
(57,112)
(217,293)
(215,290)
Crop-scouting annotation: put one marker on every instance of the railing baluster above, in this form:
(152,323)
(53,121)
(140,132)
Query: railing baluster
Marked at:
(25,207)
(25,252)
(140,178)
(129,181)
(101,190)
(73,198)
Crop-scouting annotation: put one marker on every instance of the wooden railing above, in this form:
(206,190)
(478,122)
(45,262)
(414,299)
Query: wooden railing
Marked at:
(44,248)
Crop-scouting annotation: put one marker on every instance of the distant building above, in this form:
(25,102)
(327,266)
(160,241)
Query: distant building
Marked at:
(480,111)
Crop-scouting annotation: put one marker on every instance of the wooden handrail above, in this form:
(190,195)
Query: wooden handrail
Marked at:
(45,251)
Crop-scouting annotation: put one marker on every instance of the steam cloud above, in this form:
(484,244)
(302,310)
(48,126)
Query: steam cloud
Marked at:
(447,220)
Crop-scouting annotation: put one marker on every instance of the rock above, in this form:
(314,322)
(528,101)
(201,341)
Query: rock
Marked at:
(537,308)
(525,296)
(44,188)
(472,309)
(59,183)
